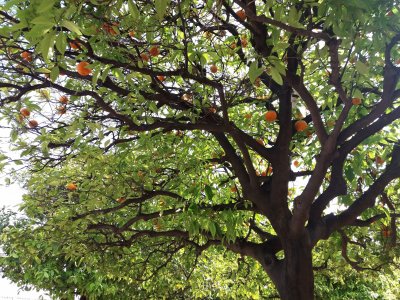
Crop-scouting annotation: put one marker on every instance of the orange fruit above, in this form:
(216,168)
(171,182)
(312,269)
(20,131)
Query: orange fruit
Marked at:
(109,28)
(61,110)
(131,34)
(25,112)
(212,110)
(244,42)
(379,160)
(144,57)
(214,69)
(71,186)
(356,101)
(154,51)
(82,68)
(233,189)
(121,199)
(33,123)
(300,125)
(63,99)
(233,45)
(75,44)
(271,116)
(241,14)
(26,56)
(161,77)
(248,116)
(296,163)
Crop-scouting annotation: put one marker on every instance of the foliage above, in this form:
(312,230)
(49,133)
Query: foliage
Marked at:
(158,157)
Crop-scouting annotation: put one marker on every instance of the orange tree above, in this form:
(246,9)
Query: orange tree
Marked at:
(262,127)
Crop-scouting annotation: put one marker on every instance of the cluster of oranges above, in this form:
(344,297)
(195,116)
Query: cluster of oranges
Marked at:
(25,113)
(62,109)
(271,116)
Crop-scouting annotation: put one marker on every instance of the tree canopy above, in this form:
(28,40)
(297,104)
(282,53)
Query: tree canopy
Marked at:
(156,138)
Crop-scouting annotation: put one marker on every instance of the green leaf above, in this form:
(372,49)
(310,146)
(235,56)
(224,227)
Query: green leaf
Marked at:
(54,73)
(361,67)
(61,43)
(71,26)
(276,76)
(209,192)
(11,3)
(45,5)
(135,14)
(349,174)
(161,7)
(43,20)
(254,71)
(46,44)
(212,228)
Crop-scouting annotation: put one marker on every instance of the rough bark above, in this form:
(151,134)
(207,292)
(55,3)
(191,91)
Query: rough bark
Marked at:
(297,271)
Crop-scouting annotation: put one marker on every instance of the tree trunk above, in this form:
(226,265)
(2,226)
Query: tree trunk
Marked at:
(296,280)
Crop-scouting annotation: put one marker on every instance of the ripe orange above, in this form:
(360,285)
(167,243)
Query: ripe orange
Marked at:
(74,44)
(296,163)
(63,99)
(61,110)
(25,112)
(82,68)
(121,199)
(244,42)
(71,186)
(131,34)
(109,28)
(154,51)
(300,125)
(241,14)
(214,69)
(212,110)
(271,116)
(379,160)
(356,101)
(144,57)
(161,77)
(33,123)
(26,56)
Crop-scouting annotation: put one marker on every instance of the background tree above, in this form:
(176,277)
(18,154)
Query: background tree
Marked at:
(179,127)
